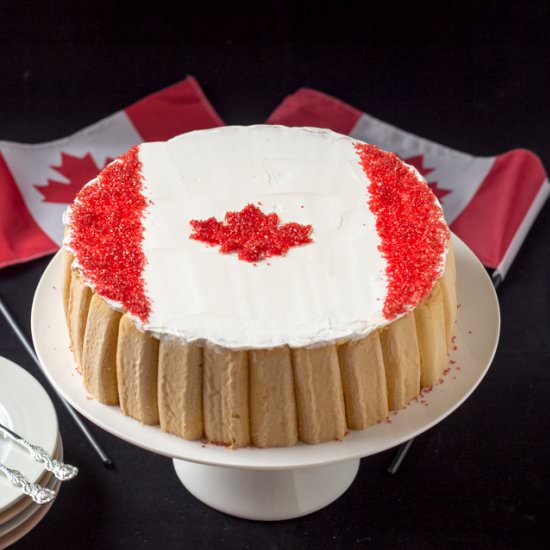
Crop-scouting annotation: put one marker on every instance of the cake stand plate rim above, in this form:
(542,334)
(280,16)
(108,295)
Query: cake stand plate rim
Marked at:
(478,328)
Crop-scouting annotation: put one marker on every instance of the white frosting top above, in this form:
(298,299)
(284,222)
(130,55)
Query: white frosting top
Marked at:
(330,289)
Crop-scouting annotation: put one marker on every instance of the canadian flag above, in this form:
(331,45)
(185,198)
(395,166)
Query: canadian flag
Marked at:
(489,202)
(38,181)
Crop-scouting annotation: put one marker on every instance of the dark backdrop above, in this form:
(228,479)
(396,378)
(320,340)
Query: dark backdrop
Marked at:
(473,77)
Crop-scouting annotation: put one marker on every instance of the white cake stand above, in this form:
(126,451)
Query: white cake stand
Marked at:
(280,483)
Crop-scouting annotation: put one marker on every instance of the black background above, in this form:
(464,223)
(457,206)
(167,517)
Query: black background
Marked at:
(473,77)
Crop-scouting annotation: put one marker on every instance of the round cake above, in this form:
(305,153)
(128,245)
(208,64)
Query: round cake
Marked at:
(258,285)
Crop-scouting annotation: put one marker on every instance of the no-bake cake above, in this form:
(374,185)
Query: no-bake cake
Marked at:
(258,285)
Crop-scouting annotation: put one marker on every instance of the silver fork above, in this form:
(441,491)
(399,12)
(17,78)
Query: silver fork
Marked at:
(59,469)
(39,494)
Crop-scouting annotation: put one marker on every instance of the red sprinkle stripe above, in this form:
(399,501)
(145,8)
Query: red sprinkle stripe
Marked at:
(107,232)
(410,225)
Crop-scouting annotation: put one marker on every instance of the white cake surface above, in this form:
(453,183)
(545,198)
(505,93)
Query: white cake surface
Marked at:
(331,289)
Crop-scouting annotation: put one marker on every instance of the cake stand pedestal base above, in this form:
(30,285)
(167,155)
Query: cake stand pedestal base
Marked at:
(267,495)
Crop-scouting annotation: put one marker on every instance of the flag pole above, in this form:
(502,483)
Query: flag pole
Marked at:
(401,453)
(107,462)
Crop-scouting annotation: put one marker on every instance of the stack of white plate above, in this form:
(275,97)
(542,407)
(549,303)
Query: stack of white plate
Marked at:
(26,409)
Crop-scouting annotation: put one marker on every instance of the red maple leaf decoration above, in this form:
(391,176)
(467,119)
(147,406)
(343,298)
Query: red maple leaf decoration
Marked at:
(251,233)
(78,170)
(418,162)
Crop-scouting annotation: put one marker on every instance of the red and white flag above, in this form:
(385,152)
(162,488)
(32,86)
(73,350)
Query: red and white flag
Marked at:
(489,202)
(38,181)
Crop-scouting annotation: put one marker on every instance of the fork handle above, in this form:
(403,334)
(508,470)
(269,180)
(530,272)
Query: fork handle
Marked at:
(60,470)
(38,494)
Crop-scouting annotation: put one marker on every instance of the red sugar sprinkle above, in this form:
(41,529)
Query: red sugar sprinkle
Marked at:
(205,442)
(251,233)
(106,233)
(452,362)
(410,226)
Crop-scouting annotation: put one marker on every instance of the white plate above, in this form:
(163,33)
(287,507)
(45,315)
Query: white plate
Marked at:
(26,501)
(29,517)
(20,531)
(26,408)
(25,522)
(477,334)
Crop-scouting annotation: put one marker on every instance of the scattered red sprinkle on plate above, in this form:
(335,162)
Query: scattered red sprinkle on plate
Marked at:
(251,233)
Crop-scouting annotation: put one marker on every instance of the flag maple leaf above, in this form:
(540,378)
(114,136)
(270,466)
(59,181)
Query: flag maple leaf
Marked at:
(439,192)
(418,162)
(78,170)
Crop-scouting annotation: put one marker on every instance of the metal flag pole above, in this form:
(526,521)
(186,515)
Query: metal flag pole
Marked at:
(404,448)
(107,462)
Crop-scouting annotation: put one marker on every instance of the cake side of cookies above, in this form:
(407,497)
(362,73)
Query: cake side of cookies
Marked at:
(264,398)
